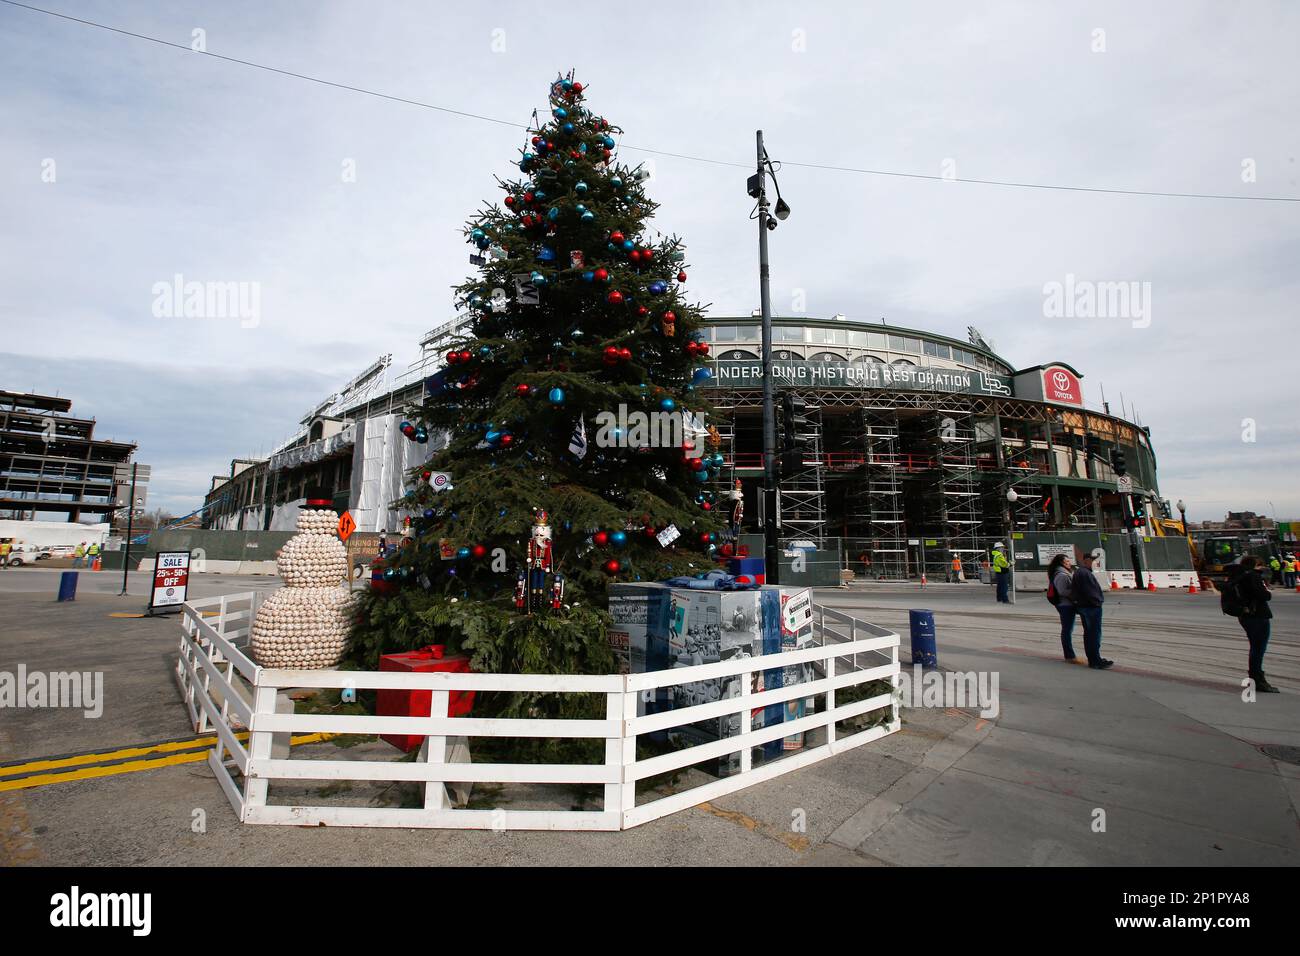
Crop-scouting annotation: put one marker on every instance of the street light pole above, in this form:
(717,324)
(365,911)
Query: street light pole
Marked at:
(769,410)
(130,515)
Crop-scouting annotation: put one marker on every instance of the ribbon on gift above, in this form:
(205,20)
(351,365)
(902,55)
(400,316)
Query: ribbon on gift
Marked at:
(715,581)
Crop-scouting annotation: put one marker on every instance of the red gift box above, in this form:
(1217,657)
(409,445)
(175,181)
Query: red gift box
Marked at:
(416,703)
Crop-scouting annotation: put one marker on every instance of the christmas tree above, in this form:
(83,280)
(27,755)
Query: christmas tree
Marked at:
(575,438)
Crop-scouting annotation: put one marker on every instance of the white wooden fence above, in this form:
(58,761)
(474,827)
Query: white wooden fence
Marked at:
(226,691)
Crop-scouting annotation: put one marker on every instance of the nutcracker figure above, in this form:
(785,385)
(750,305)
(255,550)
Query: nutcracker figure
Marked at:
(737,506)
(540,562)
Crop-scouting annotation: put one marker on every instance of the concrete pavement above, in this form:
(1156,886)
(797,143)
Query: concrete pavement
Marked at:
(1172,760)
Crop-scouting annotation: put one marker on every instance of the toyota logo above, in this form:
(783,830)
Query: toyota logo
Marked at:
(1061,380)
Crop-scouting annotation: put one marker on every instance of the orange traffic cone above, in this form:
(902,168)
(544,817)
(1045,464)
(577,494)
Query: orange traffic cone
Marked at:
(95,566)
(923,582)
(1191,588)
(1151,585)
(1114,585)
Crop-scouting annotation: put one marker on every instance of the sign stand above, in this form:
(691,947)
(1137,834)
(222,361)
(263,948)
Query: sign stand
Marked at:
(171,580)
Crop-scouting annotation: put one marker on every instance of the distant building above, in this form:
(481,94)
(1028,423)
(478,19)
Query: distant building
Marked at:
(51,465)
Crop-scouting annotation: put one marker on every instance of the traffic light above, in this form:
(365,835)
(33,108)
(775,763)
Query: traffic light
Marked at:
(1118,463)
(794,426)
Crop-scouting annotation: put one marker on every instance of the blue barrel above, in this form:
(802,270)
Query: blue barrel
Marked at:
(68,586)
(924,651)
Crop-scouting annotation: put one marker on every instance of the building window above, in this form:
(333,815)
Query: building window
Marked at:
(896,343)
(724,333)
(826,357)
(878,340)
(737,355)
(912,345)
(858,340)
(786,333)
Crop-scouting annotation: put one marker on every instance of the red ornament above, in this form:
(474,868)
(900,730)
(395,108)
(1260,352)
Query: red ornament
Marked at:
(607,153)
(615,298)
(507,439)
(625,353)
(478,551)
(601,275)
(650,532)
(612,566)
(537,140)
(465,356)
(697,464)
(610,355)
(616,236)
(510,202)
(704,538)
(453,358)
(528,197)
(601,538)
(521,389)
(681,277)
(577,88)
(634,255)
(670,316)
(425,475)
(706,506)
(642,310)
(647,254)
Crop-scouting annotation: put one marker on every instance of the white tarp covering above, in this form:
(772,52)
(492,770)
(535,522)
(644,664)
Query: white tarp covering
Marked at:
(315,451)
(382,456)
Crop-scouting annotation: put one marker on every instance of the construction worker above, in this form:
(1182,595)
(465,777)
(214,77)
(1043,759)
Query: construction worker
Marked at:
(957,574)
(1275,565)
(79,555)
(92,554)
(1288,571)
(1002,572)
(5,548)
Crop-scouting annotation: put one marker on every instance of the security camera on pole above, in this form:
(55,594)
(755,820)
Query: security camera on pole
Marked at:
(757,189)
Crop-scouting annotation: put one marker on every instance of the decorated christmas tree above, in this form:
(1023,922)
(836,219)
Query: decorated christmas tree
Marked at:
(577,446)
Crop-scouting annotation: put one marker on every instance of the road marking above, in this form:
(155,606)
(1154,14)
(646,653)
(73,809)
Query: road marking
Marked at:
(34,773)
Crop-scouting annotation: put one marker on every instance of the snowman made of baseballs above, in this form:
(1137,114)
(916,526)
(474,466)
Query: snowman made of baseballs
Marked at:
(304,625)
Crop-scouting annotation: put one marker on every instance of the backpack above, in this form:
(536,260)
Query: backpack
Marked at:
(1230,601)
(1052,596)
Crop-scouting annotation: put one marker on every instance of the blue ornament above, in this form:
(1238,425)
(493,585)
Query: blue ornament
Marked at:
(589,276)
(582,147)
(580,188)
(608,141)
(701,476)
(701,375)
(405,427)
(484,350)
(547,254)
(619,537)
(492,437)
(390,573)
(462,552)
(568,129)
(556,396)
(629,245)
(476,234)
(668,404)
(658,288)
(580,207)
(560,112)
(539,195)
(428,513)
(538,278)
(616,182)
(587,216)
(421,436)
(609,246)
(553,214)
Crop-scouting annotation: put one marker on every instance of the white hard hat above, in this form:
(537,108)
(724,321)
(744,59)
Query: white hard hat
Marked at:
(999,545)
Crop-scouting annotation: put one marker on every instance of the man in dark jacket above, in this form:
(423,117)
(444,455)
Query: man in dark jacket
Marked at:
(1088,597)
(1256,616)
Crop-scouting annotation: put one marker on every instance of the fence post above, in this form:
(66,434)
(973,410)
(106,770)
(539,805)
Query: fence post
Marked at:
(259,746)
(746,720)
(435,751)
(830,701)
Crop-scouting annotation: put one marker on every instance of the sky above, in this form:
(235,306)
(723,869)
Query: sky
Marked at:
(126,163)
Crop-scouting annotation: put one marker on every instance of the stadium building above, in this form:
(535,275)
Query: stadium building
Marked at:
(914,447)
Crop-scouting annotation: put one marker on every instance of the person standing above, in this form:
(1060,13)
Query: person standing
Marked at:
(5,548)
(1059,574)
(1288,571)
(79,555)
(1246,585)
(1088,597)
(957,574)
(1275,566)
(92,554)
(1001,571)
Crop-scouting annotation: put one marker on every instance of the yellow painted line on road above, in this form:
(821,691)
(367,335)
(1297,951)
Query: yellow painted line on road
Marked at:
(130,766)
(124,614)
(95,758)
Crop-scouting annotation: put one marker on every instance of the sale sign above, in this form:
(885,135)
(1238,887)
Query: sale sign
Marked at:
(171,578)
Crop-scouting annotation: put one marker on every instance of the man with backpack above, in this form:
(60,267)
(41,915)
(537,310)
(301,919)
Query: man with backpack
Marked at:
(1088,597)
(1245,597)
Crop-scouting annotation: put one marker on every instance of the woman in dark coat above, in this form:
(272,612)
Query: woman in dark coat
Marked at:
(1256,617)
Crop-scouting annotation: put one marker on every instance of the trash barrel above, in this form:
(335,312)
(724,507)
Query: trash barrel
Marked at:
(68,586)
(924,651)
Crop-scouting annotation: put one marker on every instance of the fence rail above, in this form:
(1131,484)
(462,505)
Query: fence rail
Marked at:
(225,691)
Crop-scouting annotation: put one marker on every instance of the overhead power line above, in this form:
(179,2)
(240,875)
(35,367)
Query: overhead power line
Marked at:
(642,149)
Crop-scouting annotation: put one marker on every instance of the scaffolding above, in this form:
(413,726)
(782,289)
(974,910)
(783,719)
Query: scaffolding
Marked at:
(1023,479)
(874,506)
(801,498)
(954,511)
